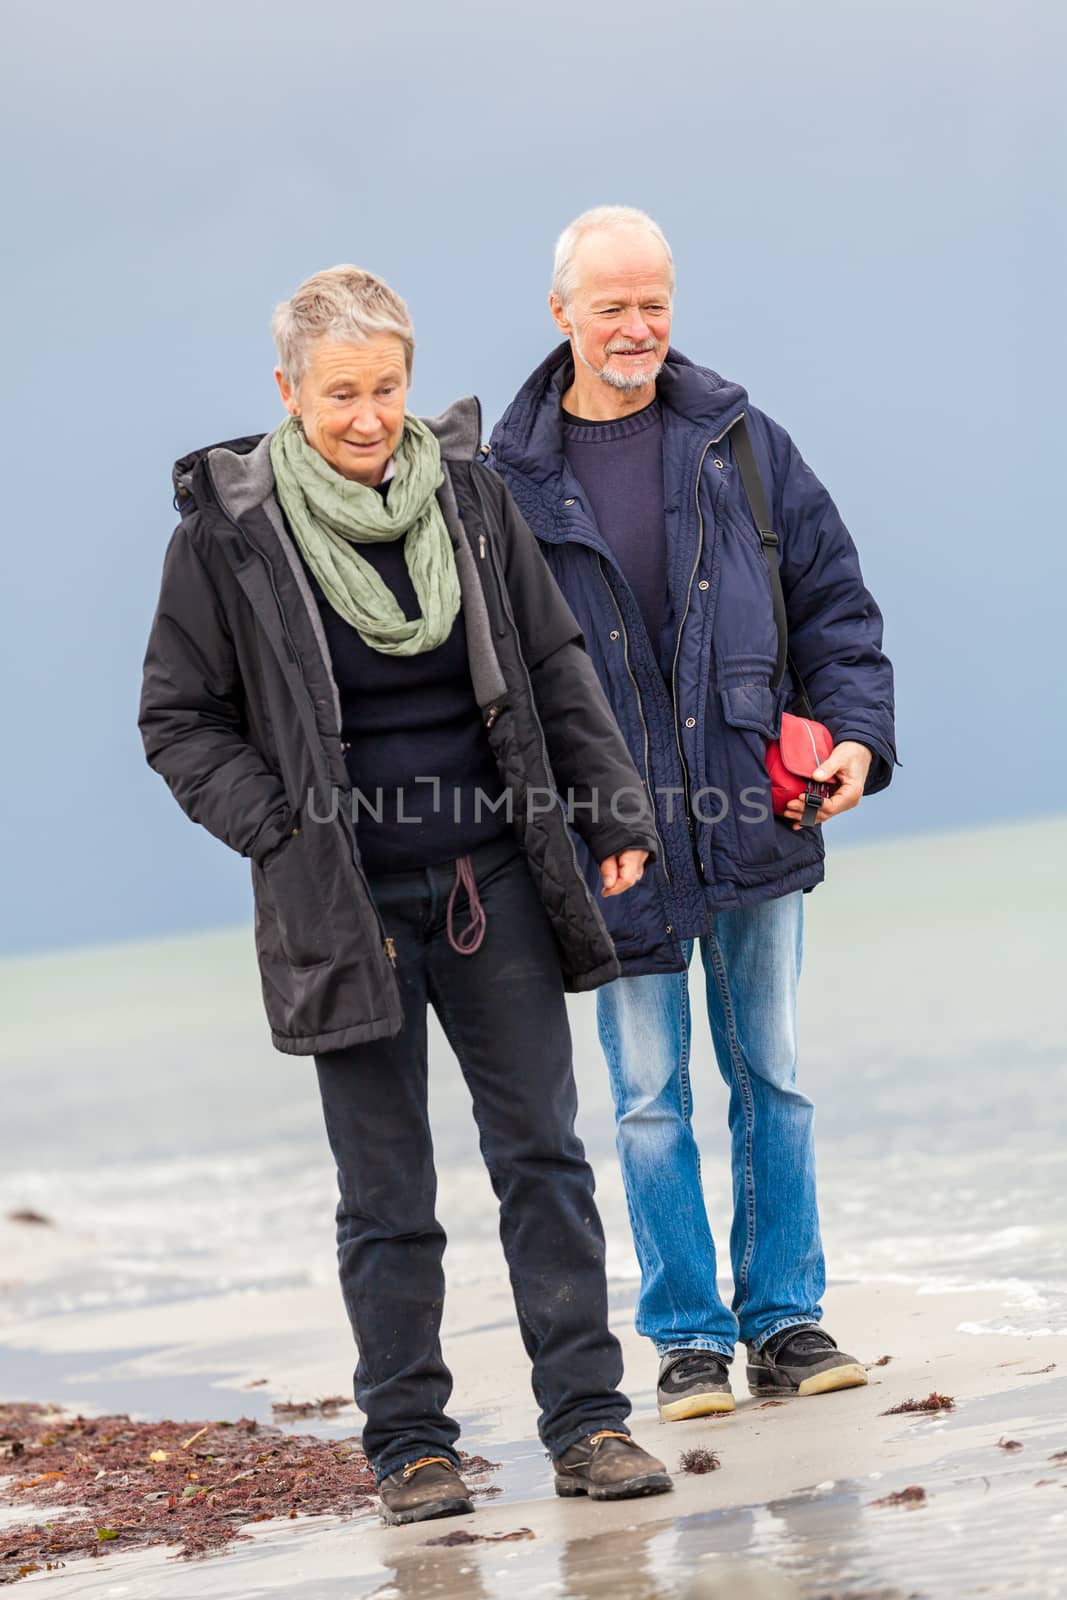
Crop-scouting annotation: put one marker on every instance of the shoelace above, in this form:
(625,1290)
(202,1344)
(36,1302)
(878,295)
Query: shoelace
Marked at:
(695,1362)
(803,1341)
(467,942)
(597,1439)
(426,1461)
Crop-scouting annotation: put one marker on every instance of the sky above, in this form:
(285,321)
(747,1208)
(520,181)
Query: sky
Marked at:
(865,203)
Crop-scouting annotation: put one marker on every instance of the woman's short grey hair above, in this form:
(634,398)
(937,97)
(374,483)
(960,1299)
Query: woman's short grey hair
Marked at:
(344,304)
(564,278)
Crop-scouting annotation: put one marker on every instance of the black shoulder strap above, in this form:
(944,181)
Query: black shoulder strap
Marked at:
(752,484)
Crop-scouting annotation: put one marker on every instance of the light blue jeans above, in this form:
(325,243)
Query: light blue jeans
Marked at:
(751,969)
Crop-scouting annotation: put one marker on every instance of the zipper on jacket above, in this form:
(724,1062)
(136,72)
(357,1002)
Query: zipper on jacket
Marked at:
(681,626)
(487,553)
(640,713)
(387,943)
(678,651)
(505,602)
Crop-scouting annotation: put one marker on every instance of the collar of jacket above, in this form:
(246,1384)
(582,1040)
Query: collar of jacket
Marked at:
(239,476)
(458,430)
(528,439)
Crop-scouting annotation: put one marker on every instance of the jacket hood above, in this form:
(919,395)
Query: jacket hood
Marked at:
(241,469)
(528,437)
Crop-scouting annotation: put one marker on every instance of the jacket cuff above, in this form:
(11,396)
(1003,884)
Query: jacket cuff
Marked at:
(883,757)
(613,844)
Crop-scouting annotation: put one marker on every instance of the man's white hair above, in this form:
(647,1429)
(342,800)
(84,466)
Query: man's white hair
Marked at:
(345,304)
(564,278)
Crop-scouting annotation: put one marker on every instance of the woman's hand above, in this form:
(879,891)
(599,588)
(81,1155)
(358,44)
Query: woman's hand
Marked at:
(621,872)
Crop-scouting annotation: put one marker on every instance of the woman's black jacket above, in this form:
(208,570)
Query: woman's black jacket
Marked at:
(240,714)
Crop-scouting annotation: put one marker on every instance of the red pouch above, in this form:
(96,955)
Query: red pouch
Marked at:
(792,758)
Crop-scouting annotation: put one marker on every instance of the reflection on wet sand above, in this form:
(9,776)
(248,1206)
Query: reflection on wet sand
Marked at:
(430,1571)
(651,1563)
(622,1560)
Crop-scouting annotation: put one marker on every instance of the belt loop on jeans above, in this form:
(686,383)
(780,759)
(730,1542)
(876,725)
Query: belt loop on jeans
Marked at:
(467,942)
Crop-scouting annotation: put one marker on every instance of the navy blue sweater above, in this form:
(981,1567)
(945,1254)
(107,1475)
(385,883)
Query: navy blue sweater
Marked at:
(619,464)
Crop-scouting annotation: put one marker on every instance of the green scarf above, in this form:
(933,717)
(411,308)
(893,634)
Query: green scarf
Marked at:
(330,515)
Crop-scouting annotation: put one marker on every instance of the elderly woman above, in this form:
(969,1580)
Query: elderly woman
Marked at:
(362,676)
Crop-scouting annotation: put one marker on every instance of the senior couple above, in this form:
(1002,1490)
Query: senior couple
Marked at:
(542,652)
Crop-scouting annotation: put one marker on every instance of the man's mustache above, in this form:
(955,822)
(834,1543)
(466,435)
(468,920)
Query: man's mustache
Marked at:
(628,347)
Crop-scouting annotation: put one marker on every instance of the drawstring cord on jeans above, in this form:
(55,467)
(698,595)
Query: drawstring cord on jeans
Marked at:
(467,942)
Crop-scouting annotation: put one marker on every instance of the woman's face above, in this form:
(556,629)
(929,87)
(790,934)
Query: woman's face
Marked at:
(351,401)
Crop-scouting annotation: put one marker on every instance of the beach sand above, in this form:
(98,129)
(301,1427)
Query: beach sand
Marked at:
(189,1255)
(789,1512)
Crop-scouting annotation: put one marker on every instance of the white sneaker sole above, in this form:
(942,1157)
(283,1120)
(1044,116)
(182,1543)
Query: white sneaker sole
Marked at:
(848,1377)
(695,1405)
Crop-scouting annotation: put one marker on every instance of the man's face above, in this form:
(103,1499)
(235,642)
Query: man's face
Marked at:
(619,317)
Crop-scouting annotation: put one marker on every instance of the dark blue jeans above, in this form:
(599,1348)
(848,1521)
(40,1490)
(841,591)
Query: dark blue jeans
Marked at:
(503,1012)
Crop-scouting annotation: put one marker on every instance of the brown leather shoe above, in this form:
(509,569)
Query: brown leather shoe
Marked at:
(607,1465)
(429,1487)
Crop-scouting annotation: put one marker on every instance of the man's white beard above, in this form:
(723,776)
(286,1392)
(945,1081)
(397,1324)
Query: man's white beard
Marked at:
(627,382)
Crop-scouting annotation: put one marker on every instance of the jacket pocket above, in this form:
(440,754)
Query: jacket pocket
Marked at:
(754,706)
(751,717)
(744,835)
(285,889)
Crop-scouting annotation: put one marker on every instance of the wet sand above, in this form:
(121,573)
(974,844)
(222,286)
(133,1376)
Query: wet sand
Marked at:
(789,1512)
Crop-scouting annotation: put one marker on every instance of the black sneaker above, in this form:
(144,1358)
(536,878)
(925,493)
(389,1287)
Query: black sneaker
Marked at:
(693,1383)
(802,1360)
(429,1487)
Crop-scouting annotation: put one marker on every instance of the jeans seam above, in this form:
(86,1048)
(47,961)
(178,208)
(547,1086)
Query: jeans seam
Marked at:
(737,1061)
(683,1060)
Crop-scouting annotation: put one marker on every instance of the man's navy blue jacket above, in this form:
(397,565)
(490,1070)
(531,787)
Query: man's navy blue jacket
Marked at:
(696,706)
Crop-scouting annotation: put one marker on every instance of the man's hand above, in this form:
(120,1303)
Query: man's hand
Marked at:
(621,872)
(849,763)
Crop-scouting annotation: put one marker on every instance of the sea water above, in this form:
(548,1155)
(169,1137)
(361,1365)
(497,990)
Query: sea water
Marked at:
(143,1104)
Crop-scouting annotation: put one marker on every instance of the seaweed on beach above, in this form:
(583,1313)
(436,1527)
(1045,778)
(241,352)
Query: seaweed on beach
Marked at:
(933,1402)
(1009,1444)
(699,1461)
(311,1408)
(914,1495)
(883,1361)
(114,1484)
(24,1214)
(461,1536)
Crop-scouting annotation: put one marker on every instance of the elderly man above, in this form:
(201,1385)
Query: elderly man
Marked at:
(647,480)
